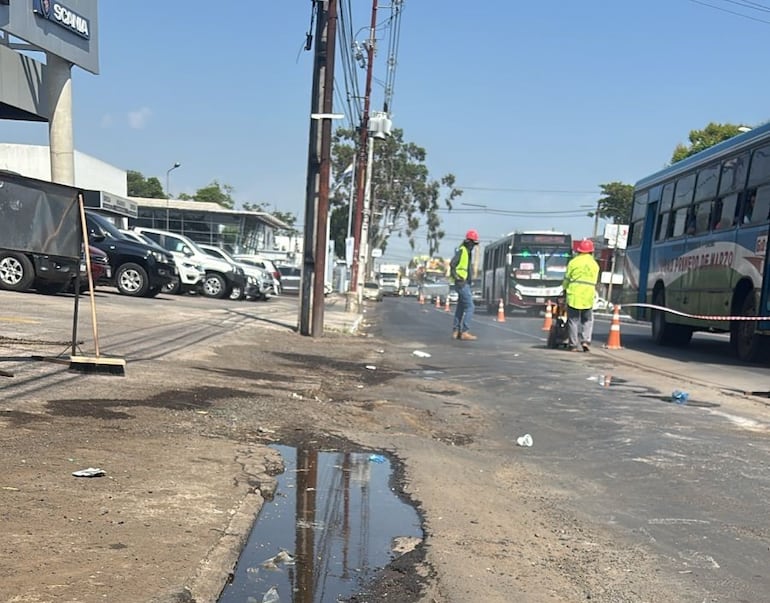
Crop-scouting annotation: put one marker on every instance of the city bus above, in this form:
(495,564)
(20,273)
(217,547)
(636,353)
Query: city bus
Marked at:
(525,270)
(698,246)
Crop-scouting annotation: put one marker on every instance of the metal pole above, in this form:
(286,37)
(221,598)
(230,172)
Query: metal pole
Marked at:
(317,187)
(364,133)
(322,231)
(364,260)
(168,187)
(596,219)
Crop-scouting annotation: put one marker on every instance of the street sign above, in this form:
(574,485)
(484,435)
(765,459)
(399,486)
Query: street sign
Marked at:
(376,253)
(616,235)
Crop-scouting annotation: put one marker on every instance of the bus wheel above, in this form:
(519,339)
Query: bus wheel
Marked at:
(663,332)
(747,345)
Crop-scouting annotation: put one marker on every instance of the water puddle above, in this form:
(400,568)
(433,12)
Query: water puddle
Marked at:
(334,522)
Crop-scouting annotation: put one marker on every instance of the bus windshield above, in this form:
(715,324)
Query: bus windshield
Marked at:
(539,264)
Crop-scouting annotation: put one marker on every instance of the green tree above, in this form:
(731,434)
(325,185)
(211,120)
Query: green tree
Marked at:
(615,202)
(221,194)
(700,140)
(403,194)
(139,186)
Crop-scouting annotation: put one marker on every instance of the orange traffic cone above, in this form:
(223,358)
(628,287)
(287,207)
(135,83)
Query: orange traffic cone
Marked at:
(548,322)
(501,311)
(613,341)
(438,302)
(421,299)
(446,304)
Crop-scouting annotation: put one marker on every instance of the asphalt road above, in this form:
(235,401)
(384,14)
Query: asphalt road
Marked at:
(688,483)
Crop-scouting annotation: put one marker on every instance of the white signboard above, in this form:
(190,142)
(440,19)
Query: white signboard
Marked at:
(617,279)
(349,248)
(616,235)
(376,253)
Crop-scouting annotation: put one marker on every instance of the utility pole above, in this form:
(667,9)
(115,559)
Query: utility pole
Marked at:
(362,165)
(319,160)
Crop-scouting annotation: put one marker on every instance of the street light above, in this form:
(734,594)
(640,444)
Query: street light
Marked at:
(168,188)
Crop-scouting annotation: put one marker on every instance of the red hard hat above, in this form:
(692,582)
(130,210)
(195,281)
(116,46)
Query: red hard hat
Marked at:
(472,235)
(585,246)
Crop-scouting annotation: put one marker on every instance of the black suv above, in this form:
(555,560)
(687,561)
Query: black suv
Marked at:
(137,269)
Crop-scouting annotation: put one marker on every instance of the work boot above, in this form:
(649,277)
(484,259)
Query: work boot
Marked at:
(456,334)
(467,336)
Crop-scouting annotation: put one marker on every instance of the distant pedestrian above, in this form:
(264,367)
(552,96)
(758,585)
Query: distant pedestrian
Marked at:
(579,290)
(460,272)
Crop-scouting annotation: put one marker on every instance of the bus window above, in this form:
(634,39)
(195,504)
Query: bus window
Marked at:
(684,190)
(706,188)
(679,218)
(724,212)
(703,217)
(760,167)
(668,197)
(734,174)
(757,208)
(661,228)
(635,233)
(640,206)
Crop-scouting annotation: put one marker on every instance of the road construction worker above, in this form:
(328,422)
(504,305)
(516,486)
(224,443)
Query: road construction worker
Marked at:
(460,273)
(580,289)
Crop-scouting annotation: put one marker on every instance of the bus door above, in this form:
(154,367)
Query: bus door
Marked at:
(644,257)
(764,299)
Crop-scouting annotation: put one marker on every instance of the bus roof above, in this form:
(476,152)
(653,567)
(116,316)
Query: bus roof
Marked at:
(543,232)
(729,146)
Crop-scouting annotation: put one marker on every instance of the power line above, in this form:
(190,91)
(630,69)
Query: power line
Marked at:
(528,190)
(731,12)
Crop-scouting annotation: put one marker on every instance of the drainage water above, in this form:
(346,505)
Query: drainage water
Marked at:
(333,523)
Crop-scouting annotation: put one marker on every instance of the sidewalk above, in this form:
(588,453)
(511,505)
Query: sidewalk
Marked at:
(337,318)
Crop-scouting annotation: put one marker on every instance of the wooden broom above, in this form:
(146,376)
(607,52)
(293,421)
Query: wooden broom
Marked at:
(96,363)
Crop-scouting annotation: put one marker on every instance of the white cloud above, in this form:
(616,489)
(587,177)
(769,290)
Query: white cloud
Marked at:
(138,119)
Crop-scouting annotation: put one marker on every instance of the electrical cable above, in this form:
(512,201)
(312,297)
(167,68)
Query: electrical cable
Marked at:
(731,12)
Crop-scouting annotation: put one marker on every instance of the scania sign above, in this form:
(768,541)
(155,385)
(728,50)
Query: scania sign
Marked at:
(61,15)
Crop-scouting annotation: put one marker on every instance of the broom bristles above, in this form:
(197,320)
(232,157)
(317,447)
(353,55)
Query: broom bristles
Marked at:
(98,364)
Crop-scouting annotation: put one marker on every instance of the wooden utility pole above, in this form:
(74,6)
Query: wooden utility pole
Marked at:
(319,160)
(362,158)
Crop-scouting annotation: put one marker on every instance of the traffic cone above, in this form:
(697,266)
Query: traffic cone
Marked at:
(500,311)
(613,341)
(446,304)
(548,323)
(438,302)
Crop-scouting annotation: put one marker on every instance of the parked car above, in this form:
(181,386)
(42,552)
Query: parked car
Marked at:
(372,291)
(138,270)
(190,273)
(291,279)
(21,270)
(453,296)
(221,276)
(261,262)
(259,284)
(100,269)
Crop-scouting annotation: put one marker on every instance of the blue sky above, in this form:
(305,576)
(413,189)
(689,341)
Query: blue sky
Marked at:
(513,96)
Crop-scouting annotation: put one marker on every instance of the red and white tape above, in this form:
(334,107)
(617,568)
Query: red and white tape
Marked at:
(696,316)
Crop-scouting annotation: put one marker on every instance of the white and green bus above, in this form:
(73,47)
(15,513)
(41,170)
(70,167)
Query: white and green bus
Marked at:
(698,246)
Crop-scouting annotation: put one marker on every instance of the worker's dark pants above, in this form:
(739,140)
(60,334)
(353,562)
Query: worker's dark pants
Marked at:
(581,326)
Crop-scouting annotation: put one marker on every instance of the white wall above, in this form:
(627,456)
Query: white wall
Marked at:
(34,161)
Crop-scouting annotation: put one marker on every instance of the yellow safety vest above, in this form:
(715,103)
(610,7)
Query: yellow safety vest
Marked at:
(580,281)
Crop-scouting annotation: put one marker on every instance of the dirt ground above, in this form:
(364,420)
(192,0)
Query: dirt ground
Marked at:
(183,440)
